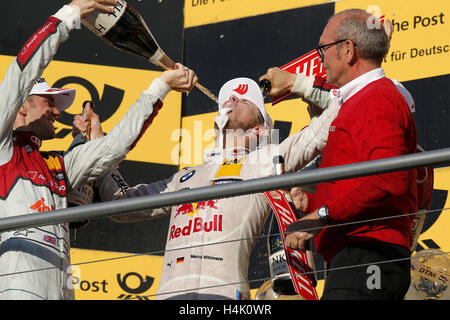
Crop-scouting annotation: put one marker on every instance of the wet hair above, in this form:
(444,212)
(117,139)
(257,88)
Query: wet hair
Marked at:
(370,38)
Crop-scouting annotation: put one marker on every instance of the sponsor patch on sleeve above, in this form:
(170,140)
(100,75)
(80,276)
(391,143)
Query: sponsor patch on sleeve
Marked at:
(35,41)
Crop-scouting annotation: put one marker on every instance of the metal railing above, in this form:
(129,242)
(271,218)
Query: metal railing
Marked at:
(106,209)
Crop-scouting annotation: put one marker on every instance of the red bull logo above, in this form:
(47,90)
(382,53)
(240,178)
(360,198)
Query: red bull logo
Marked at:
(197,224)
(192,209)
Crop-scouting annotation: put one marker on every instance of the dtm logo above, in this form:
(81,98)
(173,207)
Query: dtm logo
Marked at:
(192,209)
(142,287)
(241,89)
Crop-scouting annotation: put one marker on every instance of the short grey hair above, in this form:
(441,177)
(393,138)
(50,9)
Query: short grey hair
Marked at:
(372,42)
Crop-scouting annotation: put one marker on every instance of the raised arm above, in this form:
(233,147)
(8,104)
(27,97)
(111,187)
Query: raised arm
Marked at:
(34,57)
(96,157)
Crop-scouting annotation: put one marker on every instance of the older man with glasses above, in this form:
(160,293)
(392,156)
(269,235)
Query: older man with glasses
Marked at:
(374,122)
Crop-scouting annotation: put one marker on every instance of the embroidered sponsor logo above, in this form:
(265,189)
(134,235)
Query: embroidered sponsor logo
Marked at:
(187,176)
(40,206)
(49,239)
(192,209)
(23,232)
(230,168)
(36,140)
(34,174)
(197,225)
(225,181)
(35,41)
(241,89)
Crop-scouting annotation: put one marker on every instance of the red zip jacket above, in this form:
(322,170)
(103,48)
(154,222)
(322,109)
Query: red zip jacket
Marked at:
(374,123)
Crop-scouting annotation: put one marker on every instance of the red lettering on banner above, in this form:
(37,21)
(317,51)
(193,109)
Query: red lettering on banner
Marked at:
(285,217)
(309,64)
(297,261)
(310,67)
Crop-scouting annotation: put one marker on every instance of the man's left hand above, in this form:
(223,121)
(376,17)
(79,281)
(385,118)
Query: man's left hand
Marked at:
(307,227)
(89,123)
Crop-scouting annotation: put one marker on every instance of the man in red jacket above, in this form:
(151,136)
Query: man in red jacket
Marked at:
(374,122)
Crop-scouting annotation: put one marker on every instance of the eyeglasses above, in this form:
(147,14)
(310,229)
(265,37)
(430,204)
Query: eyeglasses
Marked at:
(320,50)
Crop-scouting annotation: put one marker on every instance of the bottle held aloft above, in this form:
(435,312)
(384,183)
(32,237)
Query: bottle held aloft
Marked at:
(265,86)
(125,29)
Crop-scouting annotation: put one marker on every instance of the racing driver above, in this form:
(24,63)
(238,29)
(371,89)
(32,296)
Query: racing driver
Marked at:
(205,257)
(34,262)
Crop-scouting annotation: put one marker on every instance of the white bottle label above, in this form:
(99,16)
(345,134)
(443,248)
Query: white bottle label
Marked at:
(100,23)
(278,264)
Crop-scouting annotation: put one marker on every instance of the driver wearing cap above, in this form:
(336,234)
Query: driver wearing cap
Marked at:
(35,261)
(205,256)
(42,107)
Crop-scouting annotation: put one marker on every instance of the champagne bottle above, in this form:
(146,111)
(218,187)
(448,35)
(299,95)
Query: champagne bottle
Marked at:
(265,86)
(279,270)
(126,30)
(280,286)
(278,162)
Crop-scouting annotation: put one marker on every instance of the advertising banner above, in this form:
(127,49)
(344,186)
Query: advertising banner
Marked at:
(420,47)
(101,275)
(200,12)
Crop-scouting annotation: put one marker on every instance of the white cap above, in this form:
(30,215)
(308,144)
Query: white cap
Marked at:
(63,97)
(245,88)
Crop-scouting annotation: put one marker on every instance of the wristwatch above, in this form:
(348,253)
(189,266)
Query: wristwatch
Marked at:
(323,214)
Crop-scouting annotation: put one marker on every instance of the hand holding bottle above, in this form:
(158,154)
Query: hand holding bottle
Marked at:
(299,198)
(89,6)
(89,123)
(281,81)
(181,79)
(86,127)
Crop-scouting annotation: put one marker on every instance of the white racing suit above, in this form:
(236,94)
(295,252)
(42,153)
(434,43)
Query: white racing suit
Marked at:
(34,261)
(209,242)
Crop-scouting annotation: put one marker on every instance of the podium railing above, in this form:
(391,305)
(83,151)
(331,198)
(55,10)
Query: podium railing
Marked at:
(100,210)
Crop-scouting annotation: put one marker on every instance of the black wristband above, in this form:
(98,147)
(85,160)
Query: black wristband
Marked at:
(312,226)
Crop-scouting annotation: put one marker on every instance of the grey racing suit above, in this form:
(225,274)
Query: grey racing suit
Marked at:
(209,243)
(34,262)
